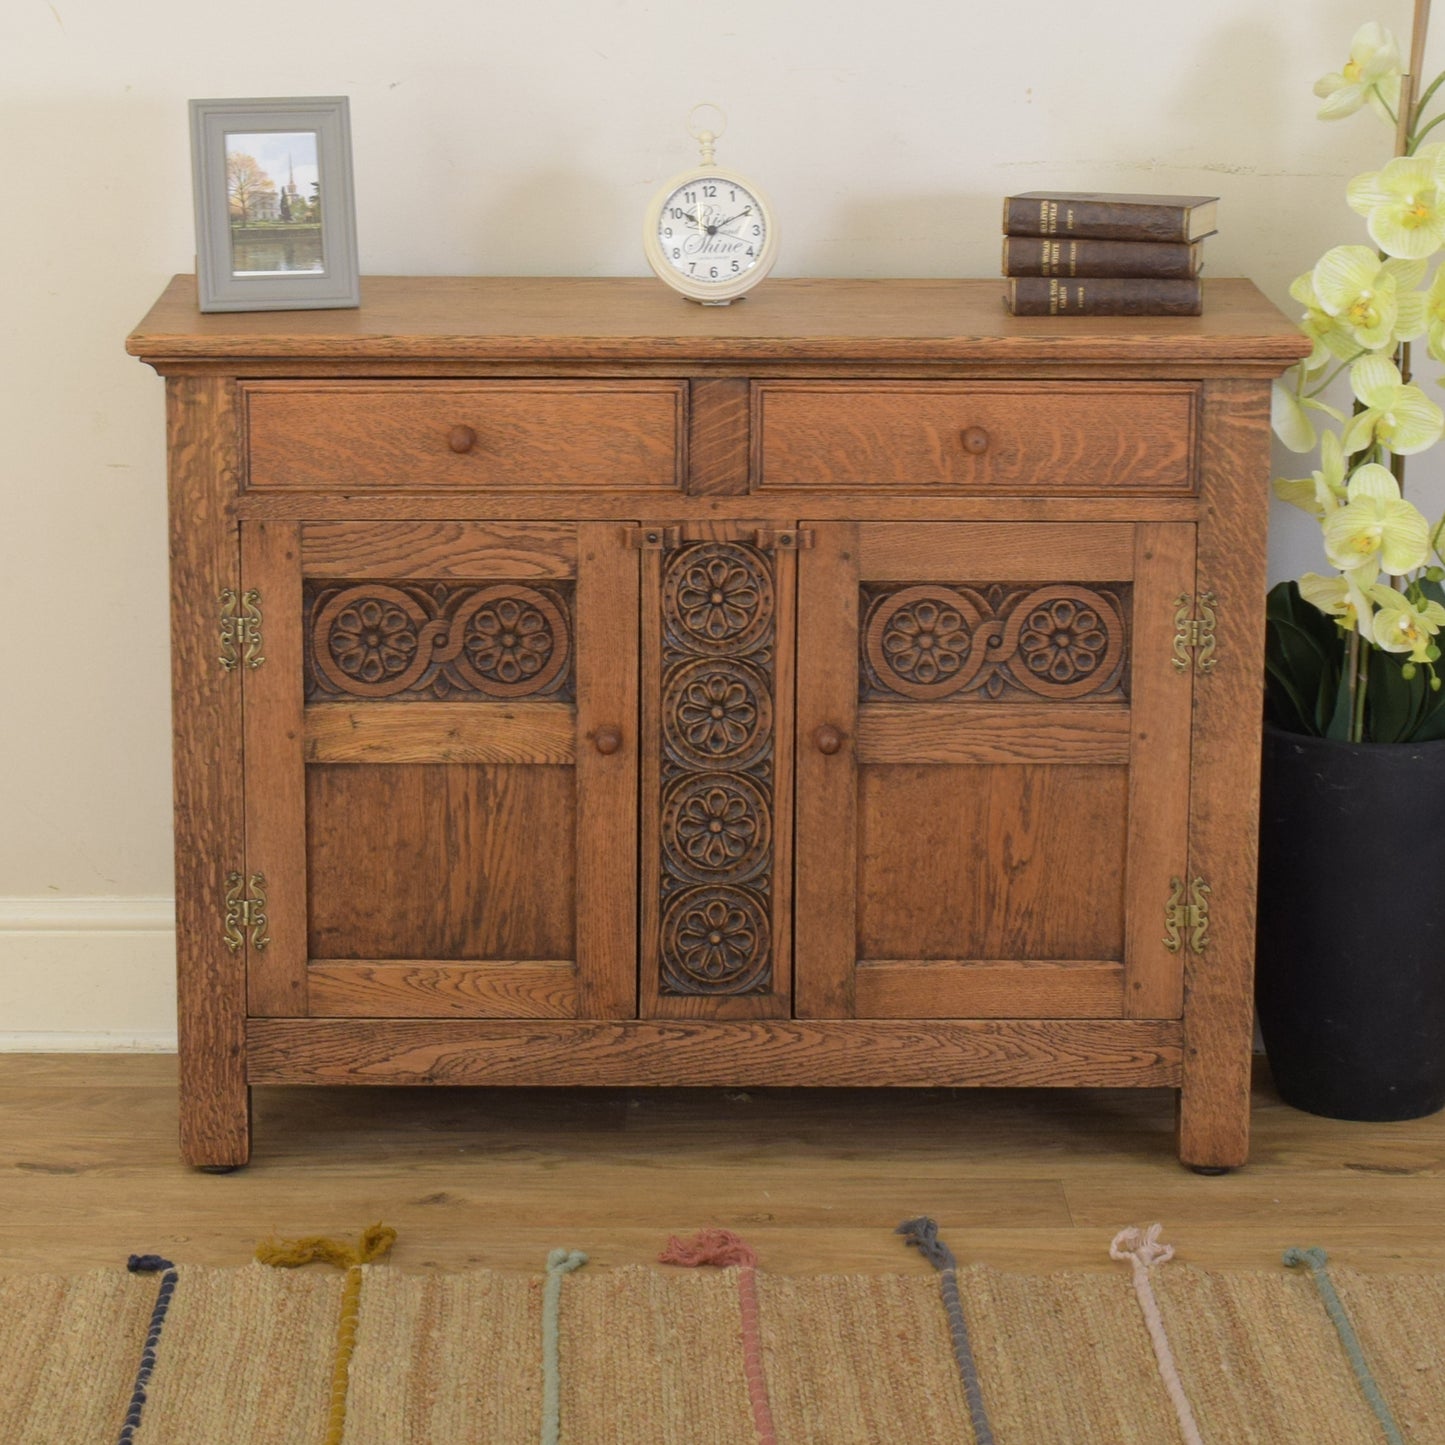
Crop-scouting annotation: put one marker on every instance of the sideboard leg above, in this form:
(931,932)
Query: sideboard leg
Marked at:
(1224,786)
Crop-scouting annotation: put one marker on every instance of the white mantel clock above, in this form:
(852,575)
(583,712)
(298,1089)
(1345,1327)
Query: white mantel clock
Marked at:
(710,233)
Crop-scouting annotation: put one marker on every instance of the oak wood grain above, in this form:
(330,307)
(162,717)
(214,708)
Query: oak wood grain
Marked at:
(448,319)
(1224,771)
(440,732)
(435,988)
(621,504)
(204,462)
(996,552)
(440,861)
(718,437)
(1158,770)
(917,436)
(826,836)
(306,435)
(276,772)
(387,550)
(1046,1053)
(943,988)
(604,835)
(996,732)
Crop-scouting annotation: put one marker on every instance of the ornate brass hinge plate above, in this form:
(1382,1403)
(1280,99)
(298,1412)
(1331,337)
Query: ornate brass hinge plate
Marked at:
(240,629)
(1189,918)
(1194,632)
(245,911)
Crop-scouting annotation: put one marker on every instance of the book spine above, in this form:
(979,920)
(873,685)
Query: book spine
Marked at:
(1070,256)
(1098,220)
(1105,296)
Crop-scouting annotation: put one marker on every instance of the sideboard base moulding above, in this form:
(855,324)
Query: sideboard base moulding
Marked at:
(574,686)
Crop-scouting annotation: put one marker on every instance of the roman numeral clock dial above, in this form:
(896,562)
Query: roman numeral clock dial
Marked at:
(710,233)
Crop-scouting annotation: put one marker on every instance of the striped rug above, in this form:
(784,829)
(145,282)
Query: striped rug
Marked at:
(364,1353)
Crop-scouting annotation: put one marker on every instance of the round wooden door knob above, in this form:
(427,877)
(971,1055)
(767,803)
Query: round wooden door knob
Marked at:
(607,740)
(975,440)
(461,439)
(828,739)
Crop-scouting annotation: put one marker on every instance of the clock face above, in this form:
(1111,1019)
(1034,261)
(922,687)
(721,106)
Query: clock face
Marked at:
(712,235)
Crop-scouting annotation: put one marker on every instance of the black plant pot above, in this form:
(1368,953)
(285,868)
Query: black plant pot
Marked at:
(1350,976)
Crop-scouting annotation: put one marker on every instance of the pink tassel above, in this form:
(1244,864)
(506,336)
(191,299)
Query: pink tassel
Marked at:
(720,1247)
(723,1248)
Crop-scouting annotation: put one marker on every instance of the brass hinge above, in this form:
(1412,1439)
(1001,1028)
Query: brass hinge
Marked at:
(240,629)
(1191,917)
(1194,635)
(796,539)
(247,911)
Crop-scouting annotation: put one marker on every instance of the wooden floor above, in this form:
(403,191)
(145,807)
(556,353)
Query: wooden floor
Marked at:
(816,1180)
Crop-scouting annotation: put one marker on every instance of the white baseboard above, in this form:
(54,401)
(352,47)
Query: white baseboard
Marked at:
(94,974)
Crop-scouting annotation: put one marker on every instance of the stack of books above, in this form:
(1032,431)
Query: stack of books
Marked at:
(1086,253)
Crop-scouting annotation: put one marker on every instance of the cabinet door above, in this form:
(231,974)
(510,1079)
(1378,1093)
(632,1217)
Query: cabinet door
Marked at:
(993,769)
(441,770)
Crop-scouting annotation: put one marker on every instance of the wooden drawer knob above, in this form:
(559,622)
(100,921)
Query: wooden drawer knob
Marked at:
(607,740)
(975,440)
(828,739)
(461,439)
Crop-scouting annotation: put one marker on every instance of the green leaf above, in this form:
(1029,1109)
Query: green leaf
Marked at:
(1341,719)
(1393,702)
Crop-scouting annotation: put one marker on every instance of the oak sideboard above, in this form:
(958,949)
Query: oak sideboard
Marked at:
(855,685)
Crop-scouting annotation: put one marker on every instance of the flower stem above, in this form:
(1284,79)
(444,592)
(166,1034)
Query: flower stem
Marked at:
(1353,658)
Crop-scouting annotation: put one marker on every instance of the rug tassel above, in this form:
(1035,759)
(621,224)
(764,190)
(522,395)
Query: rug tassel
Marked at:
(923,1234)
(1316,1260)
(1143,1251)
(291,1254)
(560,1263)
(723,1249)
(720,1247)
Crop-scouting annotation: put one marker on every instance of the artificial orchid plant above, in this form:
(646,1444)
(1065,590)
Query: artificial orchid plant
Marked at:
(1356,655)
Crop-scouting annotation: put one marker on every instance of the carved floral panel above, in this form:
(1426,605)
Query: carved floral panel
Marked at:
(719,635)
(977,642)
(438,641)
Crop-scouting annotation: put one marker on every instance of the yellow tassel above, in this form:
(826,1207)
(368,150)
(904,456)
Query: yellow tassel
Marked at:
(290,1253)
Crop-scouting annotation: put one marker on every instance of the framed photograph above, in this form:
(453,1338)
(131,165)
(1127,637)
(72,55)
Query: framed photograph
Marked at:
(275,212)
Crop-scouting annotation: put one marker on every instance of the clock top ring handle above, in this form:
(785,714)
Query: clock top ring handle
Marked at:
(706,139)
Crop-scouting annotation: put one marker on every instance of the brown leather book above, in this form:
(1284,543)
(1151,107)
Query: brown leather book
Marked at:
(1069,256)
(1103,296)
(1107,217)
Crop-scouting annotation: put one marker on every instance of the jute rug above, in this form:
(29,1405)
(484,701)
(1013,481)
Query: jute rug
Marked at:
(371,1355)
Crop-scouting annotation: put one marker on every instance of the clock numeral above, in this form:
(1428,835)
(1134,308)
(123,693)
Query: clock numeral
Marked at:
(677,253)
(710,192)
(736,267)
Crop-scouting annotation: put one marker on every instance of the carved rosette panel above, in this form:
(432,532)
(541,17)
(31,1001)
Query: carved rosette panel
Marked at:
(719,634)
(990,641)
(438,641)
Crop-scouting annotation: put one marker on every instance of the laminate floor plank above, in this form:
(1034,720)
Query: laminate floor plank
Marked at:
(815,1180)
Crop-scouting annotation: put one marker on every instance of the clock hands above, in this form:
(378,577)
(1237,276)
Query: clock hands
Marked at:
(746,211)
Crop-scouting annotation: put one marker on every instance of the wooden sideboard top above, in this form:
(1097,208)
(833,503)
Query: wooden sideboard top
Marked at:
(605,319)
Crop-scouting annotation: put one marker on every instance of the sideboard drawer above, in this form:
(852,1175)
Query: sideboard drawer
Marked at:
(958,436)
(331,436)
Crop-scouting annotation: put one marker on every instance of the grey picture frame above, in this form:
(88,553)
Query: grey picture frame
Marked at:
(306,263)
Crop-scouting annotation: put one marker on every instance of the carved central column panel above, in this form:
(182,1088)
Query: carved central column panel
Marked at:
(717,936)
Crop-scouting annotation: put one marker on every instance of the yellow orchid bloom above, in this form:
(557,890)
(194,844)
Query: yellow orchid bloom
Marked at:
(1401,626)
(1341,597)
(1371,75)
(1362,294)
(1330,334)
(1321,492)
(1435,316)
(1376,528)
(1403,206)
(1398,416)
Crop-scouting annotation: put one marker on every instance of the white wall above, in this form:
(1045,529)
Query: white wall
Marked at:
(505,138)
